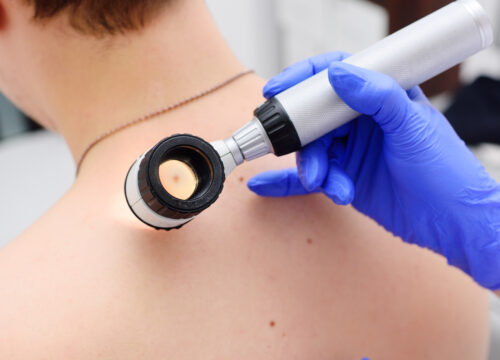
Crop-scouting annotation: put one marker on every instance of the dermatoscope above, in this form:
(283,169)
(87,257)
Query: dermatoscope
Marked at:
(183,175)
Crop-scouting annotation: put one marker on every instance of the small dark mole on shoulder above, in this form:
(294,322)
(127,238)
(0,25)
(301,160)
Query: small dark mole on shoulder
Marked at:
(241,179)
(272,324)
(309,241)
(284,334)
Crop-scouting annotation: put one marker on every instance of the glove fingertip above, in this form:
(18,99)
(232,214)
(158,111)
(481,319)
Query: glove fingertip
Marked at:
(253,183)
(312,163)
(280,183)
(340,195)
(341,201)
(311,184)
(254,186)
(262,186)
(339,187)
(310,175)
(271,89)
(317,179)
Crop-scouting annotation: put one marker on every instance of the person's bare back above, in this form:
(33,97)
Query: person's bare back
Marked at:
(250,278)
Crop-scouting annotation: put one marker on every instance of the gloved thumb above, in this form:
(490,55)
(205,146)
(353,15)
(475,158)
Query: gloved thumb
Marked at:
(371,93)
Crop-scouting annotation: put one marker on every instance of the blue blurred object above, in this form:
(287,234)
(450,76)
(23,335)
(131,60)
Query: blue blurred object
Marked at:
(12,121)
(401,164)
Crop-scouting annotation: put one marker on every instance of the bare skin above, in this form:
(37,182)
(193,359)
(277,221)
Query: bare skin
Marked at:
(250,279)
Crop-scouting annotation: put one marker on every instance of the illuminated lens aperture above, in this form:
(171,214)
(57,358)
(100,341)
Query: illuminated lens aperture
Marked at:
(178,179)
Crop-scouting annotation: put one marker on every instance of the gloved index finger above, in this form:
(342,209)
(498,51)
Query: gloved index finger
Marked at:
(300,71)
(280,183)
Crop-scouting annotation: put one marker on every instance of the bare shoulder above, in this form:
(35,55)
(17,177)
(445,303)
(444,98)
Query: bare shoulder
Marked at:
(64,290)
(40,297)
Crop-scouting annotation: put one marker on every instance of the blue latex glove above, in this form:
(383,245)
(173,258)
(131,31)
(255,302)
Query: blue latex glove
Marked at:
(401,164)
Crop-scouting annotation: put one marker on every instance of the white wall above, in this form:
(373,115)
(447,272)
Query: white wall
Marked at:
(316,26)
(268,35)
(250,28)
(37,169)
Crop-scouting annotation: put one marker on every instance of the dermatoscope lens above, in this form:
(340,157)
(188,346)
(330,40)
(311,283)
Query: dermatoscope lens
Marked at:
(174,181)
(178,178)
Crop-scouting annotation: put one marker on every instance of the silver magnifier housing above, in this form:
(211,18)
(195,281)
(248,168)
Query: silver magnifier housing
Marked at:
(147,195)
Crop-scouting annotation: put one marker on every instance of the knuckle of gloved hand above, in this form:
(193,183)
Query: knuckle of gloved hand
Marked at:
(391,104)
(424,121)
(414,135)
(386,88)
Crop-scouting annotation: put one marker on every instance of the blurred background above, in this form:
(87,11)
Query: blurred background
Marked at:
(267,35)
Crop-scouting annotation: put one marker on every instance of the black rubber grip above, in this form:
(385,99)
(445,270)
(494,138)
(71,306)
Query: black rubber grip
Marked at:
(279,128)
(202,157)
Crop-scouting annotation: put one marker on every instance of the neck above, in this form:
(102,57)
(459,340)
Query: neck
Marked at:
(179,55)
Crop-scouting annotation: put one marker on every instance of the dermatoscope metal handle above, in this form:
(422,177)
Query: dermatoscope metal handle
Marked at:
(302,114)
(411,56)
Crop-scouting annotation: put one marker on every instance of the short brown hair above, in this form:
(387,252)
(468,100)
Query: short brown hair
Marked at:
(101,17)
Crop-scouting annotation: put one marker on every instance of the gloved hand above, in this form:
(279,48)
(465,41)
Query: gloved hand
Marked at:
(401,164)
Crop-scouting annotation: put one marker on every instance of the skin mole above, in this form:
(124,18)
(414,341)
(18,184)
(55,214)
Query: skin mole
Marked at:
(309,241)
(272,324)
